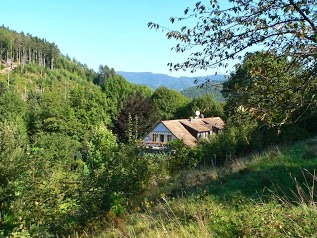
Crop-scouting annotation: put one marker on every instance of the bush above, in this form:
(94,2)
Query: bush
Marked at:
(181,157)
(231,141)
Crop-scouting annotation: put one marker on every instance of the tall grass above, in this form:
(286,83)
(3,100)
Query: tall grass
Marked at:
(268,195)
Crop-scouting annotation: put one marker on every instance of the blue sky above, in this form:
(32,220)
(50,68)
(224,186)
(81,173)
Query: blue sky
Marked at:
(107,32)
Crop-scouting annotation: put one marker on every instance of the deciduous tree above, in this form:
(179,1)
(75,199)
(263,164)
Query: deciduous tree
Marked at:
(136,118)
(224,31)
(272,89)
(168,102)
(229,29)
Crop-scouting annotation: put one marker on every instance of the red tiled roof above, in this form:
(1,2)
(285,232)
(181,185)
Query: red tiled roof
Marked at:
(180,132)
(196,124)
(214,121)
(178,127)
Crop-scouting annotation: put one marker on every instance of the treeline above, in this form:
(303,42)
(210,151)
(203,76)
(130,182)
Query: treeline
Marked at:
(25,48)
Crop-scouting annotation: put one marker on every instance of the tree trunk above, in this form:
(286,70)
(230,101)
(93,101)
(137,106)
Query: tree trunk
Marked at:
(33,56)
(52,63)
(0,217)
(11,51)
(30,56)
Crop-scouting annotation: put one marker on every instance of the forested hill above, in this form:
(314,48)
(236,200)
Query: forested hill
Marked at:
(67,137)
(30,63)
(213,88)
(24,50)
(35,70)
(155,81)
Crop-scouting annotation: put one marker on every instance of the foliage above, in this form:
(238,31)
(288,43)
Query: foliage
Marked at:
(104,74)
(232,141)
(122,176)
(168,102)
(50,113)
(60,166)
(145,90)
(117,91)
(63,170)
(47,200)
(227,30)
(136,119)
(201,90)
(13,144)
(76,68)
(224,31)
(100,147)
(26,48)
(256,198)
(90,107)
(132,174)
(207,106)
(118,203)
(181,157)
(267,87)
(12,107)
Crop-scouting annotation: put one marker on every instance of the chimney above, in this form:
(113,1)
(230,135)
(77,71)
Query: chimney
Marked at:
(191,119)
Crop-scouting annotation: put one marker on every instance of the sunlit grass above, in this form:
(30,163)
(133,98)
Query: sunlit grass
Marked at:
(267,195)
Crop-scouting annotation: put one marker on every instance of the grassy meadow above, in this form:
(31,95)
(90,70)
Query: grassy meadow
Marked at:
(271,194)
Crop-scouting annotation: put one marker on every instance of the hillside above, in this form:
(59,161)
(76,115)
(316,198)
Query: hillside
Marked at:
(267,195)
(60,160)
(214,88)
(31,64)
(154,81)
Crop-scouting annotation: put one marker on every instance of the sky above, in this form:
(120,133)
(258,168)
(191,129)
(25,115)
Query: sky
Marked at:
(104,32)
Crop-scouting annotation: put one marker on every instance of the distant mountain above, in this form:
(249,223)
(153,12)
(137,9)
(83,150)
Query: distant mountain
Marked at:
(154,81)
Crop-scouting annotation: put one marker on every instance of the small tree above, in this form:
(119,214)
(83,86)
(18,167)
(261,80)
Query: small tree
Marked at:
(181,156)
(207,105)
(137,117)
(168,102)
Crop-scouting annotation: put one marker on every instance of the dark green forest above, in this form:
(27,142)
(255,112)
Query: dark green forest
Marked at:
(70,160)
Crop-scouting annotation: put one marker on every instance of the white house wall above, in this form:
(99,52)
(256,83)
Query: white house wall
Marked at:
(159,130)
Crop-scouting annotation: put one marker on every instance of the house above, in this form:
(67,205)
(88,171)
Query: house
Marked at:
(189,130)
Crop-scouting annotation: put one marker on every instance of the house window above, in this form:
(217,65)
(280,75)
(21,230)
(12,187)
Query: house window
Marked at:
(169,137)
(154,137)
(161,138)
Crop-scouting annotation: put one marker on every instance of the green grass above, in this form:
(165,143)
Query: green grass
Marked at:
(267,195)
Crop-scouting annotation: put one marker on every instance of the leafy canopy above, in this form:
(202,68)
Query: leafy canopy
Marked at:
(269,88)
(228,30)
(168,102)
(137,118)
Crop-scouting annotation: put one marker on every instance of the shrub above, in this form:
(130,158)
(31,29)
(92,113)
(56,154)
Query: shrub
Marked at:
(181,157)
